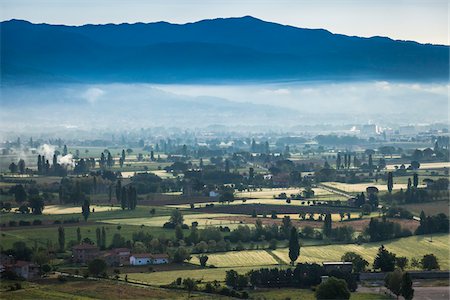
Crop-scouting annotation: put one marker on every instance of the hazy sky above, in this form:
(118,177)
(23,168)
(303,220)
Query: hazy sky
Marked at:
(425,21)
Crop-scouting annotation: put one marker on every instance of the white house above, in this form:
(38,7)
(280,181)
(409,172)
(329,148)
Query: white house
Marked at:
(160,259)
(214,194)
(141,259)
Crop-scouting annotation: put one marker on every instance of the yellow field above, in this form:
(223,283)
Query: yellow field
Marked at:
(202,219)
(436,165)
(62,210)
(361,187)
(238,259)
(269,193)
(161,173)
(334,217)
(414,246)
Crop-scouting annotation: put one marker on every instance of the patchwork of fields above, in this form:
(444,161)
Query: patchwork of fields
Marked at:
(401,247)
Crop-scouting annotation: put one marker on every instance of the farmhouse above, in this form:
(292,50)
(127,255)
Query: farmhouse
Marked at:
(117,257)
(84,253)
(141,259)
(24,269)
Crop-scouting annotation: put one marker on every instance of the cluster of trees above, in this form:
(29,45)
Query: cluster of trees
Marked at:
(433,224)
(127,195)
(18,168)
(384,230)
(28,200)
(304,275)
(400,284)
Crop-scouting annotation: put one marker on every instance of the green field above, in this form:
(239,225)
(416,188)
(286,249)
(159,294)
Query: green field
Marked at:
(41,236)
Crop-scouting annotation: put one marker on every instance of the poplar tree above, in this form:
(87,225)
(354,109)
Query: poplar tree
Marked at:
(294,246)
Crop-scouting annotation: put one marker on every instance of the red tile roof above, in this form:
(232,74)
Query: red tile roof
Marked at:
(142,255)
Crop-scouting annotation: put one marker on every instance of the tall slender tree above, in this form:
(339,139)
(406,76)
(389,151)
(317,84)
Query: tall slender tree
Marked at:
(86,209)
(327,225)
(390,182)
(294,246)
(61,238)
(415,180)
(78,235)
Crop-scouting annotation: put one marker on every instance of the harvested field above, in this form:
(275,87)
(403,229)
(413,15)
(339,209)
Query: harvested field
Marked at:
(361,187)
(434,165)
(247,209)
(62,209)
(239,259)
(401,247)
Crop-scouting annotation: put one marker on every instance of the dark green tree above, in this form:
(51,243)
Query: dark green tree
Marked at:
(86,209)
(176,217)
(78,235)
(294,246)
(393,281)
(333,288)
(407,290)
(97,266)
(429,262)
(20,195)
(390,182)
(36,203)
(203,259)
(190,285)
(359,263)
(385,260)
(61,238)
(119,191)
(179,232)
(415,180)
(327,225)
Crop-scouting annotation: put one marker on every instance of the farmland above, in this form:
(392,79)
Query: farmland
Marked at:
(433,165)
(202,219)
(239,259)
(45,236)
(318,254)
(361,187)
(166,277)
(401,247)
(88,290)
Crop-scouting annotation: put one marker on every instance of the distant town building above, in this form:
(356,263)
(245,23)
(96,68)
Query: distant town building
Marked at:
(117,257)
(24,269)
(84,253)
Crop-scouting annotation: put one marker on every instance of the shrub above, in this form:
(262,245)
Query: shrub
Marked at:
(12,223)
(24,223)
(333,288)
(37,222)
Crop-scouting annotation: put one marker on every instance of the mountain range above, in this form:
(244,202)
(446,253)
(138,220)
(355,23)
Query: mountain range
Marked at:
(230,49)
